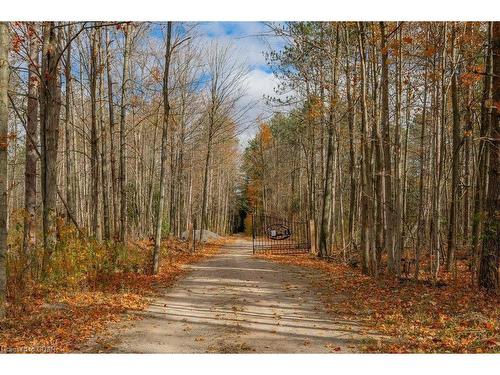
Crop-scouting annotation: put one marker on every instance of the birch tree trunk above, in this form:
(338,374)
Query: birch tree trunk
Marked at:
(31,154)
(94,149)
(112,152)
(123,144)
(366,183)
(104,145)
(387,201)
(164,150)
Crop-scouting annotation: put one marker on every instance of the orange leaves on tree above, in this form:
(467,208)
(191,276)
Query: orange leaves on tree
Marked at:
(408,40)
(254,191)
(467,133)
(472,75)
(429,51)
(265,134)
(17,42)
(315,108)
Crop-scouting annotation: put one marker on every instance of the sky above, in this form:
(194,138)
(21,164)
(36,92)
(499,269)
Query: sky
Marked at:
(250,42)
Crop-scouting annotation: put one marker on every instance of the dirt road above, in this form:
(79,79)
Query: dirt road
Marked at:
(234,303)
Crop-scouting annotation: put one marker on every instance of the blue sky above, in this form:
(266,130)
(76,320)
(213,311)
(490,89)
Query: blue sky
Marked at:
(250,41)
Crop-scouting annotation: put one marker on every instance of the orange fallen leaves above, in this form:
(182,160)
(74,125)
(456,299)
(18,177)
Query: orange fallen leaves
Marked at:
(410,317)
(62,320)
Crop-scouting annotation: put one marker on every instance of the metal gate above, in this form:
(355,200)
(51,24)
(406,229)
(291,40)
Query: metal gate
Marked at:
(274,235)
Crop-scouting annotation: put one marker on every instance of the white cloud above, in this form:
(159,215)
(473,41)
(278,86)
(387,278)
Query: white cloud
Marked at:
(249,43)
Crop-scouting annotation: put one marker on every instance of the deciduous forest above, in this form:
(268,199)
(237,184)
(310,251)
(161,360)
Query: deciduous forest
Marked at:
(124,146)
(390,145)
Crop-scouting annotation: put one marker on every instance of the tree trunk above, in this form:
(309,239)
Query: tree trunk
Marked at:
(482,158)
(50,103)
(388,206)
(164,150)
(94,148)
(488,271)
(104,145)
(205,179)
(31,151)
(452,225)
(366,182)
(123,144)
(4,117)
(112,153)
(352,162)
(323,250)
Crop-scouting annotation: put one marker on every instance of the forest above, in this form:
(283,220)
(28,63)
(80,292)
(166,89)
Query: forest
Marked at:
(390,145)
(123,142)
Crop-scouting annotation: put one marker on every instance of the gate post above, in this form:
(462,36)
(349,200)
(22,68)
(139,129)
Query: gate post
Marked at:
(312,236)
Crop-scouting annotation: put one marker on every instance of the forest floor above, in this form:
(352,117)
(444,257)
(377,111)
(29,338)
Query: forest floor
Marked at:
(61,320)
(410,317)
(237,303)
(223,299)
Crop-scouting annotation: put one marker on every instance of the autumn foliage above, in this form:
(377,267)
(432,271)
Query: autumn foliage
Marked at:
(405,316)
(91,284)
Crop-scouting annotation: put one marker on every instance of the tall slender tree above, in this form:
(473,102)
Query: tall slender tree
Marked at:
(30,169)
(4,116)
(123,139)
(164,148)
(50,104)
(488,271)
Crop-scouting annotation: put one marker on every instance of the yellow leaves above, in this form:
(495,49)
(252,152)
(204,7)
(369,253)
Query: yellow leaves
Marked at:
(61,320)
(156,75)
(491,104)
(265,134)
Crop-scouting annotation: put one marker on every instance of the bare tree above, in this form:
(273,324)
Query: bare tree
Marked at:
(224,92)
(123,111)
(164,144)
(50,103)
(452,225)
(4,116)
(31,136)
(488,271)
